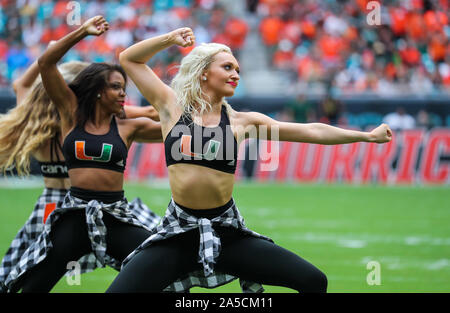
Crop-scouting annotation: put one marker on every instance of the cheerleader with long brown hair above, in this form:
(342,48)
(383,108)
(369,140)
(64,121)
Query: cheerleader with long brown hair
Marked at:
(32,130)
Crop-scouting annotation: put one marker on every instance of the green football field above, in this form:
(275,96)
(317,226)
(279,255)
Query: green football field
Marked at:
(364,238)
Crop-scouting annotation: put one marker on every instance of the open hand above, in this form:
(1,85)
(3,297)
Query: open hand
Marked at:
(183,37)
(381,134)
(96,25)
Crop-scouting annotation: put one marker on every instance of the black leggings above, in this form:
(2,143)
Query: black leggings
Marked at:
(244,256)
(70,242)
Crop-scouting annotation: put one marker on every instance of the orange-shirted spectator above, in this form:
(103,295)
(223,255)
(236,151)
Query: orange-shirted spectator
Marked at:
(398,20)
(308,29)
(270,29)
(410,55)
(331,47)
(416,25)
(436,48)
(236,30)
(435,21)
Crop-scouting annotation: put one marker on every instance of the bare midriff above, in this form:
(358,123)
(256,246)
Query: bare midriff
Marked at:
(57,183)
(96,179)
(199,187)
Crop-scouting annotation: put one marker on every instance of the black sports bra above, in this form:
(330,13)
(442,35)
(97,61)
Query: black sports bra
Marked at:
(84,150)
(213,147)
(55,168)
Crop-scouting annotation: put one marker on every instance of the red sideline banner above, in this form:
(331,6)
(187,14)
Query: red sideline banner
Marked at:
(413,156)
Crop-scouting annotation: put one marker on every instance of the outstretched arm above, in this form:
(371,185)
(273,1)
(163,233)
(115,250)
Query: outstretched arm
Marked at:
(134,60)
(317,133)
(55,86)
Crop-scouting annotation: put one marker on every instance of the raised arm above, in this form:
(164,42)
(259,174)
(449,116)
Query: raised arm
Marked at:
(317,133)
(134,60)
(22,85)
(55,86)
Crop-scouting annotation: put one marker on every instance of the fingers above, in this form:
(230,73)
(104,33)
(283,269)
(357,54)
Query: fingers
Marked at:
(97,25)
(104,27)
(382,134)
(101,24)
(388,132)
(188,37)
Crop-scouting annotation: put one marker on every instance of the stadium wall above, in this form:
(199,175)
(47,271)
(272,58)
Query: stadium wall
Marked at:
(413,157)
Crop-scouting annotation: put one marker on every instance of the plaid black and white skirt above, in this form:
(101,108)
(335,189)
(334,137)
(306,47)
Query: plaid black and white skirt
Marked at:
(32,242)
(177,221)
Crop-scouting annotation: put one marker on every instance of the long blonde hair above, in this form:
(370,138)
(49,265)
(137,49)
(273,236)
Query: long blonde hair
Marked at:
(28,126)
(186,82)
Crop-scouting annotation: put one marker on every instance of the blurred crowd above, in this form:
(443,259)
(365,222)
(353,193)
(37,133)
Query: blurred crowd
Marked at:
(27,27)
(326,43)
(335,44)
(331,110)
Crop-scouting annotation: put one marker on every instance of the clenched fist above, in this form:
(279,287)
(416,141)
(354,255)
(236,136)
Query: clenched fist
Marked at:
(183,37)
(381,134)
